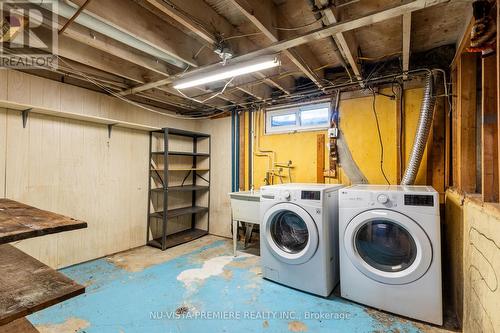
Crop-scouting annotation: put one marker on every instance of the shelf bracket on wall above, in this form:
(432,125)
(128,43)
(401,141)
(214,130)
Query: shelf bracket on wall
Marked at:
(110,128)
(24,116)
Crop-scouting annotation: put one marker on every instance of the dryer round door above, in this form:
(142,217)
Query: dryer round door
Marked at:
(290,233)
(388,247)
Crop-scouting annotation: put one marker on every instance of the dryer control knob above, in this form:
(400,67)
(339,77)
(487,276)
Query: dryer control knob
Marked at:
(382,198)
(286,195)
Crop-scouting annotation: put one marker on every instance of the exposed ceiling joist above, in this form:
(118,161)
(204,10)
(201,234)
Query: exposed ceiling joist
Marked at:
(262,14)
(316,34)
(221,25)
(346,40)
(120,50)
(406,43)
(136,21)
(75,15)
(183,19)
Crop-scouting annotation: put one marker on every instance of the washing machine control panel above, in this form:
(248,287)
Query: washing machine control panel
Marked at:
(287,195)
(382,198)
(290,195)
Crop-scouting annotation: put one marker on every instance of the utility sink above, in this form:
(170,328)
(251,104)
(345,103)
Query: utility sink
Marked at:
(245,206)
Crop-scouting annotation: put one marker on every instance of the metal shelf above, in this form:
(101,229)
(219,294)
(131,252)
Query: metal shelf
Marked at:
(179,238)
(181,169)
(183,188)
(182,153)
(161,174)
(171,213)
(179,132)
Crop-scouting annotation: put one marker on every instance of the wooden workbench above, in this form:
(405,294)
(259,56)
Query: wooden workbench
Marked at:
(19,221)
(26,284)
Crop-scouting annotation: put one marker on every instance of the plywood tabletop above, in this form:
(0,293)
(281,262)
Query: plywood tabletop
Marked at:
(19,221)
(27,285)
(19,326)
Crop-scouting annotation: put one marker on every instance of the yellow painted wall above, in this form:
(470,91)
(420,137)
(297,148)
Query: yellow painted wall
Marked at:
(476,260)
(358,125)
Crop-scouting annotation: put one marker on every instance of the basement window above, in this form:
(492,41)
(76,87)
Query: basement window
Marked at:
(302,118)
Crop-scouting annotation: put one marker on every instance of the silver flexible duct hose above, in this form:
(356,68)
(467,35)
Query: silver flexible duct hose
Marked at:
(422,134)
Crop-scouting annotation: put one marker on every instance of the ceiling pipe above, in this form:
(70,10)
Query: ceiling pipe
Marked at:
(68,11)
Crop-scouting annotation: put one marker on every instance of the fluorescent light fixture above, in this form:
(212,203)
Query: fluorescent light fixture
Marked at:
(228,71)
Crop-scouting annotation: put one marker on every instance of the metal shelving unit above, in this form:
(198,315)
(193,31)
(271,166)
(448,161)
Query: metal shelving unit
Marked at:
(166,241)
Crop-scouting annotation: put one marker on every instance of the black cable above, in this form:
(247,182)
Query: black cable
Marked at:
(379,138)
(402,119)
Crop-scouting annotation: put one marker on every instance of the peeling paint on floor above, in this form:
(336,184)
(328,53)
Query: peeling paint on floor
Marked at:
(201,287)
(70,325)
(297,326)
(211,267)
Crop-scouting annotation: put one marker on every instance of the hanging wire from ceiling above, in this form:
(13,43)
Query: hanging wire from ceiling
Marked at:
(115,94)
(379,136)
(242,36)
(298,27)
(209,98)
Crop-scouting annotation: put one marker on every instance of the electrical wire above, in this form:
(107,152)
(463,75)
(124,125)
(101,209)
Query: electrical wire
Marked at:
(379,137)
(298,27)
(402,120)
(113,93)
(241,36)
(209,98)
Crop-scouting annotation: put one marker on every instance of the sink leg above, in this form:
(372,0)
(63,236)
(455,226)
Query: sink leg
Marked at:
(235,236)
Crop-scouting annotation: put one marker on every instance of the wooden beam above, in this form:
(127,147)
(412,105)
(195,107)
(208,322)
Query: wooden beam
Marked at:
(406,43)
(490,184)
(263,15)
(436,162)
(346,40)
(209,17)
(108,63)
(498,83)
(183,19)
(320,158)
(466,124)
(75,15)
(316,34)
(454,127)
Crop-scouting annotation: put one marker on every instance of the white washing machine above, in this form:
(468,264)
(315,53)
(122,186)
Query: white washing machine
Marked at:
(299,236)
(390,249)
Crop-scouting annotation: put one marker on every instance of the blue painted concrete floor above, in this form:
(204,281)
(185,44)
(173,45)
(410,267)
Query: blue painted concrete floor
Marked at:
(200,287)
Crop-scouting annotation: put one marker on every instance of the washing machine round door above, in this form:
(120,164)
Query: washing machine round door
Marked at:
(388,247)
(290,233)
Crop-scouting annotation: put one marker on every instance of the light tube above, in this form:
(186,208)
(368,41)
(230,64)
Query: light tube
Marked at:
(228,72)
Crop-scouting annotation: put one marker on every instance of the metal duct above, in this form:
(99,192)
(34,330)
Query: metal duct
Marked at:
(67,11)
(347,162)
(422,133)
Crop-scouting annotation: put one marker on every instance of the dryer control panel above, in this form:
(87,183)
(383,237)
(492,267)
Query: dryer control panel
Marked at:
(422,202)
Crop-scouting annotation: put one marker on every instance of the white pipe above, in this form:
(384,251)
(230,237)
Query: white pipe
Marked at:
(67,11)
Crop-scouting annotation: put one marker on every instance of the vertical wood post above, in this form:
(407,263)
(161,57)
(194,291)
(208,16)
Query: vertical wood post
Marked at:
(466,123)
(489,130)
(320,158)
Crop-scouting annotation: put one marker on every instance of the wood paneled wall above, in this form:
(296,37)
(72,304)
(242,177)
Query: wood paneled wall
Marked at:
(72,167)
(220,205)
